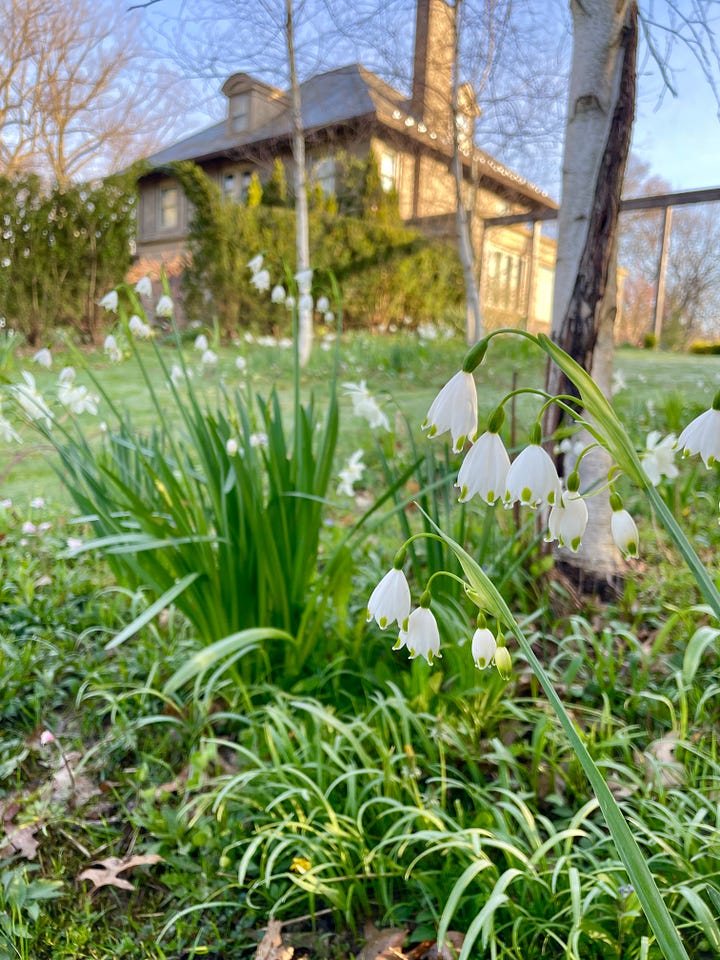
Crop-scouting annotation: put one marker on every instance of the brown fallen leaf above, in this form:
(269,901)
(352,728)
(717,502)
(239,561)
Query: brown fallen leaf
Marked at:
(112,866)
(382,944)
(271,946)
(19,841)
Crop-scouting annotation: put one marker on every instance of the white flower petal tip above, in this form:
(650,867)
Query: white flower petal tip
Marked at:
(532,479)
(420,635)
(454,409)
(567,521)
(390,600)
(255,265)
(484,470)
(625,533)
(702,435)
(483,648)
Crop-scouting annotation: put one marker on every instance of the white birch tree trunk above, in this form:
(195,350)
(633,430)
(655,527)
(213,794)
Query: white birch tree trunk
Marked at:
(600,114)
(302,230)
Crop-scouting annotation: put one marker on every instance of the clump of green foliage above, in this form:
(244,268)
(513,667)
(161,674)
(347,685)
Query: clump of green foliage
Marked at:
(386,271)
(63,248)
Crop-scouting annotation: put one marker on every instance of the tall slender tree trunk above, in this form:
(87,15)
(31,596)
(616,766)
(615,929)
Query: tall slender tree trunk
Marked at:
(597,141)
(473,309)
(302,230)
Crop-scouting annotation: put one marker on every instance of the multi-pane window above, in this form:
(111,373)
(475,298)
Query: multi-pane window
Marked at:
(239,112)
(229,186)
(169,207)
(324,176)
(388,170)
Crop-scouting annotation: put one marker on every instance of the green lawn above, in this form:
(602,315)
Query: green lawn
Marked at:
(659,390)
(320,778)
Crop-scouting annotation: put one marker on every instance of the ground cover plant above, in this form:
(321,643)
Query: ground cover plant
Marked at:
(360,787)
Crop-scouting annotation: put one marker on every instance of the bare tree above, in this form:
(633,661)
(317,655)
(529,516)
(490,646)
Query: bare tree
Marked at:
(74,83)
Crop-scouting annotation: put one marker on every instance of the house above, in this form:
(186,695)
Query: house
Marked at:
(351,109)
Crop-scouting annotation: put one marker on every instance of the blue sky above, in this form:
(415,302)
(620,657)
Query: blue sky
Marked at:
(681,138)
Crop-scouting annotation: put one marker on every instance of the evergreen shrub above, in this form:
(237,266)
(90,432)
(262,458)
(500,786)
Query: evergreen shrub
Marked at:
(62,250)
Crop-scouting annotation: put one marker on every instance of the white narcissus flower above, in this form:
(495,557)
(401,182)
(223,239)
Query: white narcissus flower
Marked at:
(322,305)
(78,399)
(164,307)
(421,635)
(658,458)
(231,447)
(567,520)
(259,440)
(390,600)
(201,342)
(484,469)
(532,478)
(277,294)
(44,358)
(454,409)
(30,399)
(143,288)
(255,265)
(241,364)
(702,435)
(290,303)
(365,405)
(110,301)
(483,647)
(209,358)
(350,474)
(625,533)
(67,376)
(8,434)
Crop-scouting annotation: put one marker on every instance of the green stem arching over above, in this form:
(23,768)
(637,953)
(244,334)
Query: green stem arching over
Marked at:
(484,593)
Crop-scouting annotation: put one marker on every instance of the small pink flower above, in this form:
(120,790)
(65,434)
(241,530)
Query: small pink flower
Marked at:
(46,737)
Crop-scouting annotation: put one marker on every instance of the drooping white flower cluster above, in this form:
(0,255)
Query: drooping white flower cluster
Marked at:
(531,479)
(260,279)
(391,602)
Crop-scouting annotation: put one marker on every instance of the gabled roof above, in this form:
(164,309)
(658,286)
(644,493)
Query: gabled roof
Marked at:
(345,95)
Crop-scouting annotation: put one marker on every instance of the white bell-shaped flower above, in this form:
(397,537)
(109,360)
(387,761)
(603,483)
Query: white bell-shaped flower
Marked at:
(625,533)
(390,600)
(422,636)
(702,435)
(483,647)
(567,520)
(484,469)
(532,479)
(454,409)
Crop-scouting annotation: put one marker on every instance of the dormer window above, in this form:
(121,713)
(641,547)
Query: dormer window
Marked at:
(239,112)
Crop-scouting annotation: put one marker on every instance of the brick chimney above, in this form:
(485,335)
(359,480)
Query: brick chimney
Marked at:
(431,100)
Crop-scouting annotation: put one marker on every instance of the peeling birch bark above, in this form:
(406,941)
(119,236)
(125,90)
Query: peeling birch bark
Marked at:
(600,115)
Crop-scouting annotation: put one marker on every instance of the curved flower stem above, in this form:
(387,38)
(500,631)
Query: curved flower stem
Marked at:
(697,568)
(482,589)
